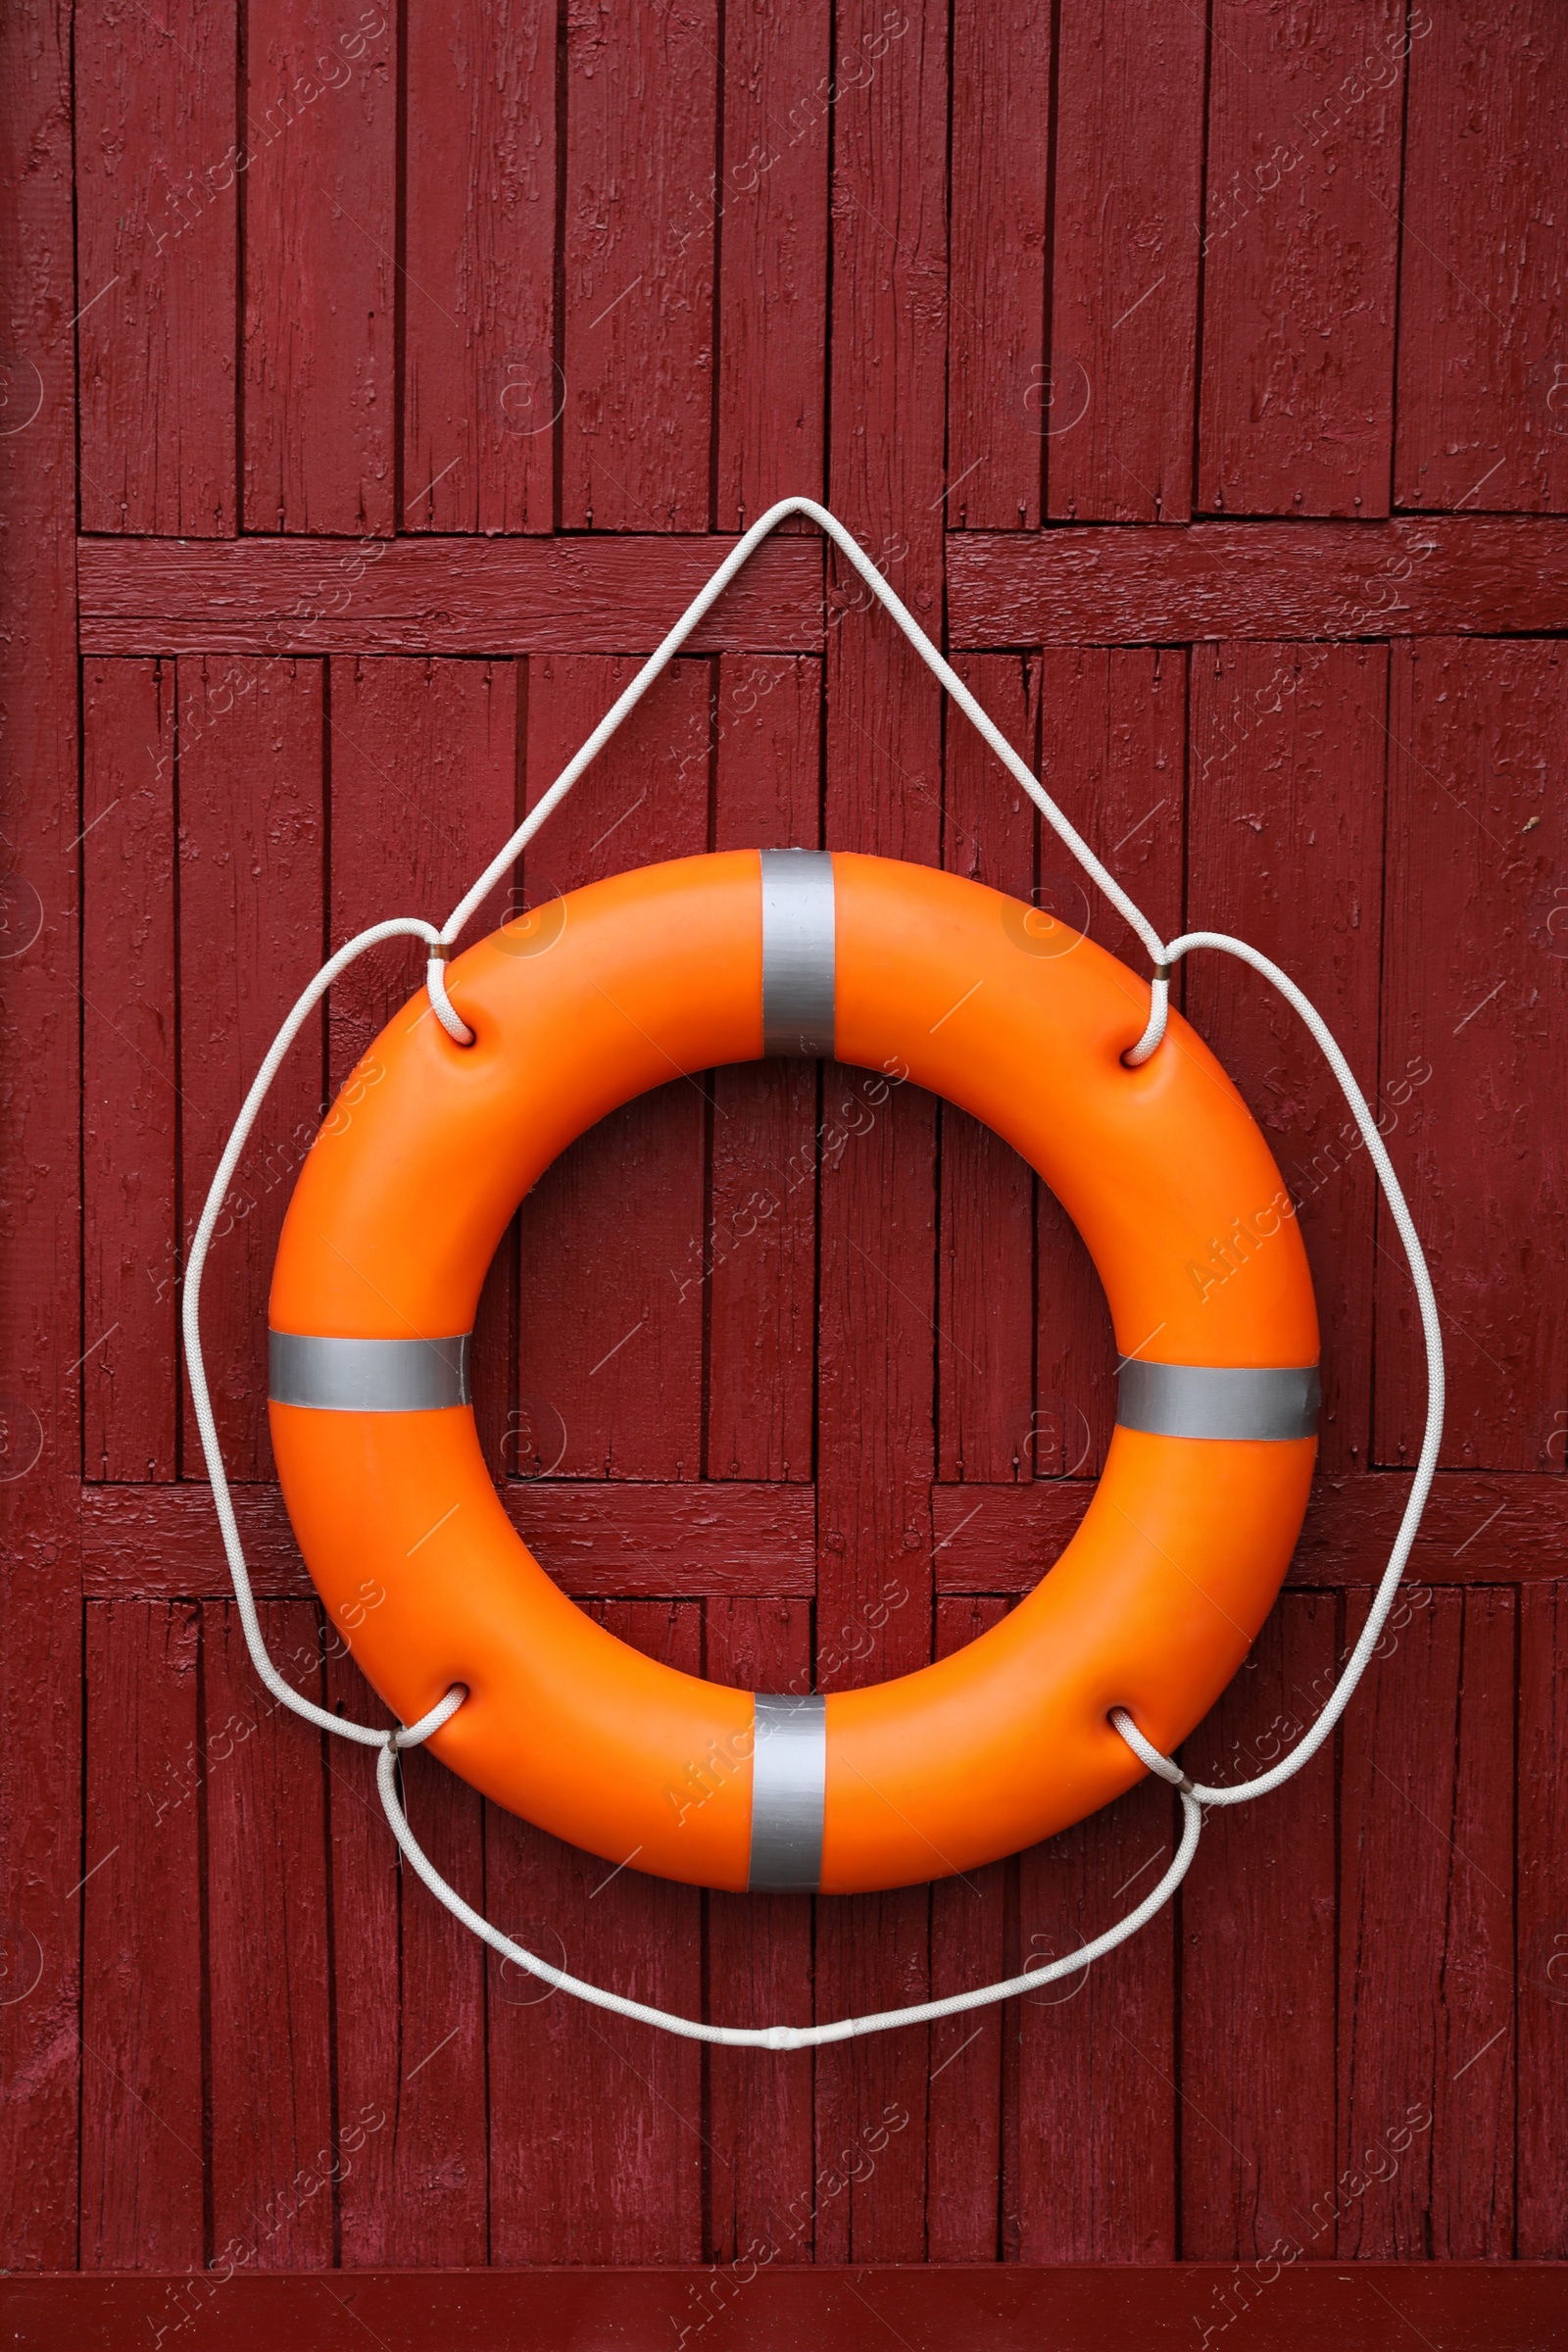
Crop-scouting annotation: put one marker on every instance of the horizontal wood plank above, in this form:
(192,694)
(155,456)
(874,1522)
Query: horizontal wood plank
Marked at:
(769,2306)
(613,1538)
(1424,576)
(602,595)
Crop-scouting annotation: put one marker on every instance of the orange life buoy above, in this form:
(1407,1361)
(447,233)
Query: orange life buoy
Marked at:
(676,969)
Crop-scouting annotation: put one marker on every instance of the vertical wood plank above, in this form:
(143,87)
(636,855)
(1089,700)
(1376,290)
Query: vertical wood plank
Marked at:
(320,233)
(1476,937)
(609,1379)
(1483,403)
(141,1933)
(130,1095)
(760,1267)
(762,2192)
(1427,1965)
(1117,403)
(409,2000)
(1543,1989)
(482,391)
(41,1285)
(875,1400)
(267,1964)
(597,2137)
(1286,841)
(1301,262)
(250,887)
(998,401)
(986,1304)
(1113,753)
(641,156)
(1096,2063)
(156,248)
(1257,1958)
(772,211)
(968,1949)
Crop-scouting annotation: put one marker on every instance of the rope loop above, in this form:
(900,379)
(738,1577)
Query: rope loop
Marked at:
(438,944)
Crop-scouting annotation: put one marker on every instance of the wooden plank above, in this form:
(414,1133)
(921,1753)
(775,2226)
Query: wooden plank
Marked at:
(481,388)
(1096,2062)
(1442,575)
(1258,1959)
(250,854)
(1112,736)
(408,2006)
(634,1540)
(968,1949)
(156,252)
(273,2139)
(772,208)
(40,1288)
(130,1302)
(611,1352)
(1300,259)
(320,232)
(1426,2058)
(1076,2307)
(625,2102)
(1543,1897)
(139,1905)
(877,1278)
(986,1271)
(426,596)
(1476,931)
(1284,850)
(762,2207)
(642,112)
(1124,264)
(1483,391)
(997,395)
(758,1263)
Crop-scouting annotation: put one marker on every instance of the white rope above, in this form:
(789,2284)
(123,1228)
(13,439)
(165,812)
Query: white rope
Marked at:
(1193,1799)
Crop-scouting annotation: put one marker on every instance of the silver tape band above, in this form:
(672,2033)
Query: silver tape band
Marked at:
(789,1792)
(1202,1401)
(369,1376)
(798,952)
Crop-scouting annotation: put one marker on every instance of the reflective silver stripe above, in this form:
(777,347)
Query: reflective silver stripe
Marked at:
(798,952)
(1205,1400)
(789,1791)
(369,1376)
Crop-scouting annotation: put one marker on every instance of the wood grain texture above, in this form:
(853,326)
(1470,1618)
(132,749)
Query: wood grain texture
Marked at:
(997,395)
(1482,405)
(158,178)
(1541,1992)
(758,1262)
(481,387)
(770,206)
(320,229)
(1442,575)
(139,1904)
(638,325)
(130,1092)
(250,888)
(273,2138)
(40,1267)
(1117,414)
(442,596)
(1258,1959)
(596,2140)
(1289,747)
(1473,976)
(1301,258)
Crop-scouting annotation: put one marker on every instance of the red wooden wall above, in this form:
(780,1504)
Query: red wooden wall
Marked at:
(383,380)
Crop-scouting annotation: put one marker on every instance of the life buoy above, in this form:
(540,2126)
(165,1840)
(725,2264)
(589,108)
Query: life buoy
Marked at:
(676,969)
